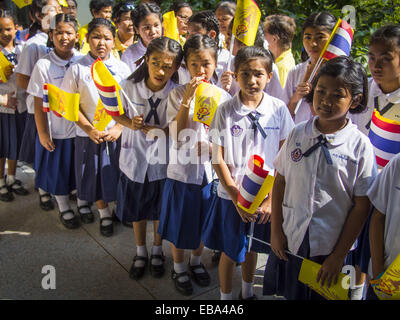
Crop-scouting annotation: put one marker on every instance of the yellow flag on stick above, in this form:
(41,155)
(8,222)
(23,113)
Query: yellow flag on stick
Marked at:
(22,3)
(101,117)
(387,286)
(60,102)
(245,23)
(170,24)
(206,103)
(308,275)
(63,3)
(4,64)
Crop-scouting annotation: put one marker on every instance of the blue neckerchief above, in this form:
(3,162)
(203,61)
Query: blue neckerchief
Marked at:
(153,111)
(322,142)
(255,124)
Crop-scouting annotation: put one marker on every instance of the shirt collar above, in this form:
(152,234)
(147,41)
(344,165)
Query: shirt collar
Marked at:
(393,97)
(284,55)
(242,110)
(146,93)
(61,62)
(334,139)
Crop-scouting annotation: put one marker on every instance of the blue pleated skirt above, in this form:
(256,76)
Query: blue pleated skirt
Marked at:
(182,214)
(281,277)
(96,172)
(12,128)
(139,201)
(27,152)
(55,171)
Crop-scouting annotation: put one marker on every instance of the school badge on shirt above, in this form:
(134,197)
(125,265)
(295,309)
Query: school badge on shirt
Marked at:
(236,130)
(297,155)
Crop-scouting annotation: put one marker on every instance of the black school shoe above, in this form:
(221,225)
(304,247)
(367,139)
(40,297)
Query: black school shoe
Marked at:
(184,287)
(157,270)
(70,223)
(136,273)
(108,230)
(21,191)
(48,204)
(7,196)
(201,278)
(254,297)
(86,217)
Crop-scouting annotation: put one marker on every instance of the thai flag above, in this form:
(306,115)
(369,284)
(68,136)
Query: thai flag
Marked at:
(109,98)
(385,138)
(46,106)
(340,43)
(252,181)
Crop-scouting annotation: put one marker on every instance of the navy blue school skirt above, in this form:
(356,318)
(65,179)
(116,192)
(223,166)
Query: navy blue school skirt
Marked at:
(139,201)
(27,152)
(55,171)
(182,214)
(12,128)
(96,172)
(281,277)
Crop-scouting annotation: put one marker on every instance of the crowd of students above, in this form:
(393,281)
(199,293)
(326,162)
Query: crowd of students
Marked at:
(333,141)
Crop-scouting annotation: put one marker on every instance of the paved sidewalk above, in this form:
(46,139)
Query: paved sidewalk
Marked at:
(88,265)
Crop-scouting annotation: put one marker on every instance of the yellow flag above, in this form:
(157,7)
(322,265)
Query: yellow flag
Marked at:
(387,287)
(4,63)
(63,3)
(206,103)
(60,102)
(22,3)
(170,24)
(245,24)
(308,275)
(101,118)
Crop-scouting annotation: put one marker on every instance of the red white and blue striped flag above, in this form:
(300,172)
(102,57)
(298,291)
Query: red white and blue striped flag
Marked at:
(340,41)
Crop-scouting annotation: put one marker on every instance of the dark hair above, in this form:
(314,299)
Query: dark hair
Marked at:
(227,6)
(36,7)
(97,22)
(8,14)
(163,44)
(351,74)
(178,5)
(62,17)
(97,5)
(282,26)
(246,54)
(199,43)
(388,35)
(120,8)
(207,20)
(324,20)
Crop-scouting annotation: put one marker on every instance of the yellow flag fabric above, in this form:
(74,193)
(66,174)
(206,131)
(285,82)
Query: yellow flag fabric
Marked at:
(4,63)
(101,118)
(22,3)
(245,24)
(308,275)
(61,102)
(63,3)
(170,24)
(206,102)
(387,286)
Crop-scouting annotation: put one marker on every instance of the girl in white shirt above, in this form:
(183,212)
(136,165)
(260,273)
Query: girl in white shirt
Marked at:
(319,198)
(147,20)
(54,157)
(143,159)
(96,152)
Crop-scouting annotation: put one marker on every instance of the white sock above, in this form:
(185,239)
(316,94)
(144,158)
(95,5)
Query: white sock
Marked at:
(42,192)
(103,214)
(247,289)
(226,296)
(179,268)
(11,180)
(142,252)
(357,292)
(156,250)
(63,205)
(2,184)
(195,261)
(80,203)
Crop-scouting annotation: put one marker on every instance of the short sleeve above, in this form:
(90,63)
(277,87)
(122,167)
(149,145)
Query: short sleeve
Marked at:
(218,126)
(28,59)
(287,123)
(367,169)
(274,87)
(281,159)
(173,103)
(70,81)
(38,78)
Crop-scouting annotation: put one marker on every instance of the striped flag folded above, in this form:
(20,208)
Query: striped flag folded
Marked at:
(385,138)
(108,88)
(256,184)
(339,43)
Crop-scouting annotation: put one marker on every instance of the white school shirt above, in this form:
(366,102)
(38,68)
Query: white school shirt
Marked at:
(51,69)
(385,196)
(137,151)
(184,164)
(11,85)
(362,119)
(133,54)
(232,129)
(78,79)
(318,196)
(34,49)
(294,78)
